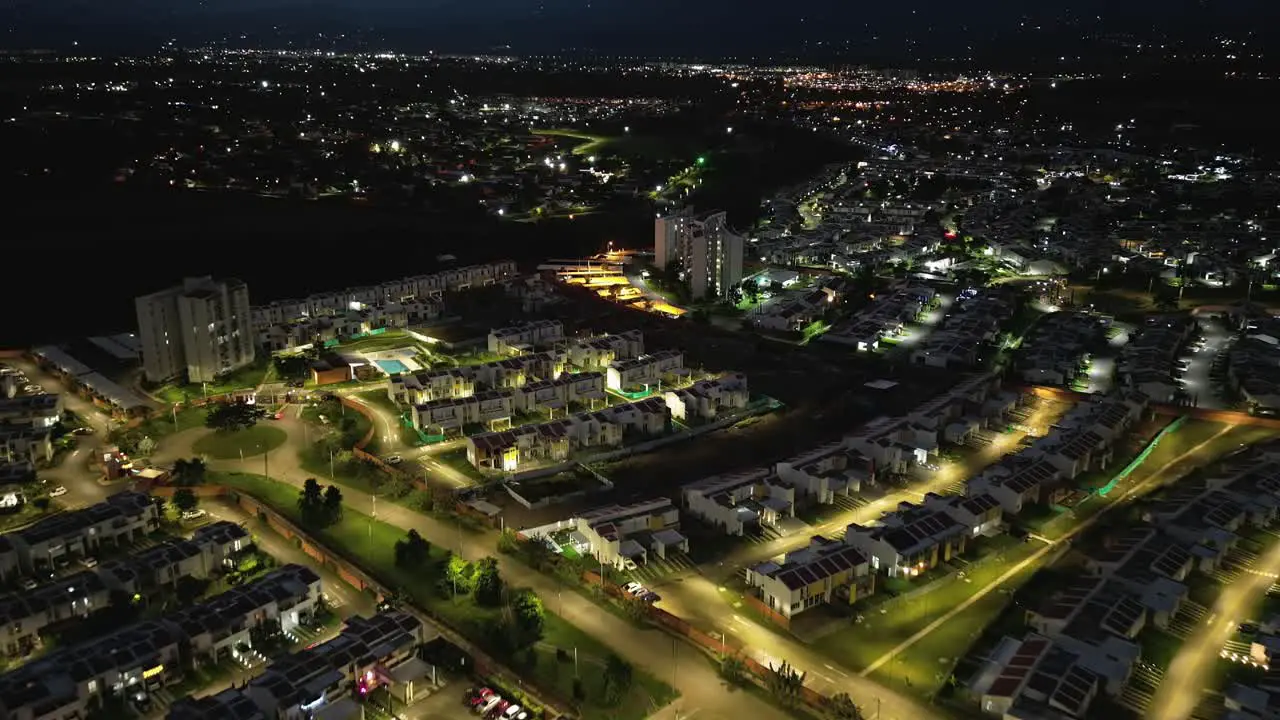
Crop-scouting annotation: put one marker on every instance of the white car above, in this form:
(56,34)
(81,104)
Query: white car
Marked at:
(194,514)
(58,491)
(632,587)
(628,564)
(89,562)
(30,584)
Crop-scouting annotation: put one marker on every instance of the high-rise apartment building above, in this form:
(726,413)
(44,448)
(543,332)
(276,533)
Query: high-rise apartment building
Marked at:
(200,329)
(710,255)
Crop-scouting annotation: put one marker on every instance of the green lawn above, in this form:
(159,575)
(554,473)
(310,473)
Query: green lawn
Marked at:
(222,445)
(389,340)
(371,544)
(859,645)
(247,377)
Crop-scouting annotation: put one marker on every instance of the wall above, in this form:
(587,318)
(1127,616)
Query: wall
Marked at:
(758,605)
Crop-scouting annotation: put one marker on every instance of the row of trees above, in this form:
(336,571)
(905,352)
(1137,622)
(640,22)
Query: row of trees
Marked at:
(319,507)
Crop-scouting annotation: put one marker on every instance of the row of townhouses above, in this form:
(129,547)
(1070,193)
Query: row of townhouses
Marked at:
(24,616)
(552,441)
(118,521)
(147,656)
(326,680)
(417,287)
(1082,639)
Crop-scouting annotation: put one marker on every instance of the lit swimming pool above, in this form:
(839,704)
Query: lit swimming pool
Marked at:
(393,367)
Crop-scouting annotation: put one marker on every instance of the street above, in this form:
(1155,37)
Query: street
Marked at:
(1183,684)
(387,433)
(1198,381)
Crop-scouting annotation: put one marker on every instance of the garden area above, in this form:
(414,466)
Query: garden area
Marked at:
(233,445)
(472,598)
(248,377)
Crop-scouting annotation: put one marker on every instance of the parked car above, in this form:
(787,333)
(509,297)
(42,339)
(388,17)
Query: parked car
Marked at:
(194,514)
(628,564)
(29,584)
(651,597)
(58,491)
(394,460)
(86,430)
(631,588)
(89,562)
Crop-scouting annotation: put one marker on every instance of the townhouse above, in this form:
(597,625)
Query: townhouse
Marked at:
(1036,677)
(24,443)
(825,571)
(1148,565)
(961,337)
(322,681)
(598,352)
(979,514)
(159,566)
(120,519)
(1148,362)
(517,371)
(584,388)
(1098,617)
(34,411)
(24,615)
(704,399)
(1054,351)
(616,533)
(143,658)
(909,541)
(139,658)
(822,474)
(740,502)
(217,628)
(525,337)
(490,407)
(640,372)
(418,287)
(423,387)
(552,441)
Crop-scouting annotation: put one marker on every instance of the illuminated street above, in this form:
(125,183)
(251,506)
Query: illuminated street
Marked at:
(1182,686)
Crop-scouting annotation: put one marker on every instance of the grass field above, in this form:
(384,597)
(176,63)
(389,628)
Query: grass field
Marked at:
(247,377)
(256,440)
(371,544)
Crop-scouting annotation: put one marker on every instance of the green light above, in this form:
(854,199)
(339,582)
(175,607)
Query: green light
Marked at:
(702,161)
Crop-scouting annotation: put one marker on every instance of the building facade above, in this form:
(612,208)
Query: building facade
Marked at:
(201,328)
(709,254)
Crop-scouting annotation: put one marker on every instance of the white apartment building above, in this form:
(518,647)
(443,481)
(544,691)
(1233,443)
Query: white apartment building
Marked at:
(740,501)
(200,329)
(424,387)
(709,254)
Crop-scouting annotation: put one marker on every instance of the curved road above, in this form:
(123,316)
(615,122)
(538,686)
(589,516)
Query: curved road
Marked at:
(702,691)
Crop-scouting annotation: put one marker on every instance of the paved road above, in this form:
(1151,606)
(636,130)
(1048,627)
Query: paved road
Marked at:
(76,471)
(1182,687)
(390,443)
(702,691)
(1204,392)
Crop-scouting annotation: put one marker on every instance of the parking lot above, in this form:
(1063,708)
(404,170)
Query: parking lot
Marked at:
(444,704)
(1206,367)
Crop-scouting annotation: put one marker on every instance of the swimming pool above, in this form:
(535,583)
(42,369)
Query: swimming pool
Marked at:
(393,367)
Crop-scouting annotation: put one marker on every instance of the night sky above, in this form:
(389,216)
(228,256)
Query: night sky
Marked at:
(651,27)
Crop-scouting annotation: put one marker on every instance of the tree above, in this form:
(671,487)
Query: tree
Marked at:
(413,551)
(185,500)
(332,504)
(528,618)
(733,669)
(233,416)
(785,682)
(617,679)
(507,542)
(460,574)
(187,473)
(488,583)
(841,707)
(311,503)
